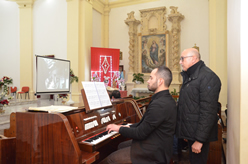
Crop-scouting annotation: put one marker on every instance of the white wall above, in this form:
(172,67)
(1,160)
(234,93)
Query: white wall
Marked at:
(237,134)
(233,85)
(9,41)
(49,29)
(195,26)
(244,81)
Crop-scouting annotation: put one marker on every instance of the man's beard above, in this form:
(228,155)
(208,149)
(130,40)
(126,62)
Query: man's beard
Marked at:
(153,87)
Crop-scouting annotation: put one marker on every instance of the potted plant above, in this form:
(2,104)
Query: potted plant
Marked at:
(138,78)
(175,94)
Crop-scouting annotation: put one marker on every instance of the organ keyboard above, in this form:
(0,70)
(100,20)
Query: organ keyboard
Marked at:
(73,137)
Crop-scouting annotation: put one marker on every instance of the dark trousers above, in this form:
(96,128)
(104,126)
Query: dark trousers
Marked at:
(121,156)
(200,158)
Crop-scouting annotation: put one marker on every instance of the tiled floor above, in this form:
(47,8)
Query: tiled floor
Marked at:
(184,158)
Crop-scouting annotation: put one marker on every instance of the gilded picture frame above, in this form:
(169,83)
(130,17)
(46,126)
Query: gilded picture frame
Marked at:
(120,57)
(153,51)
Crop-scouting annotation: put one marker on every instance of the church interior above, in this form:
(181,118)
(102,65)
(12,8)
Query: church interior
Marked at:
(113,41)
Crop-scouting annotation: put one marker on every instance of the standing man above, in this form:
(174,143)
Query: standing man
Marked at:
(152,137)
(198,106)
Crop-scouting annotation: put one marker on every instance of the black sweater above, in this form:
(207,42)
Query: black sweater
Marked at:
(153,135)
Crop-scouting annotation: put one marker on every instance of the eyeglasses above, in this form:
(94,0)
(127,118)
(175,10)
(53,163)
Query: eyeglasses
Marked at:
(182,58)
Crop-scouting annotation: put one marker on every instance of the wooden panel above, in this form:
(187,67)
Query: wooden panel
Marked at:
(45,138)
(88,158)
(11,132)
(7,150)
(215,149)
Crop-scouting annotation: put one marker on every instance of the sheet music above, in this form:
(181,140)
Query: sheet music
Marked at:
(96,94)
(91,95)
(103,94)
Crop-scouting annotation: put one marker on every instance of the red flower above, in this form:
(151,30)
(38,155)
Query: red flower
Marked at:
(4,102)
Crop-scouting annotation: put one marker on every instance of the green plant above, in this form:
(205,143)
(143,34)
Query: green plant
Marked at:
(175,94)
(138,77)
(73,77)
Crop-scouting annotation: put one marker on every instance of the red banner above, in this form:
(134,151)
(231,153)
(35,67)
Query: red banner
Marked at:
(105,65)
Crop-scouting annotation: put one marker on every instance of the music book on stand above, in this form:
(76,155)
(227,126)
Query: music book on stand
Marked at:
(95,95)
(52,109)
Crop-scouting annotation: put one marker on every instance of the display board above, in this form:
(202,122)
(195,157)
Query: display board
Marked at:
(52,75)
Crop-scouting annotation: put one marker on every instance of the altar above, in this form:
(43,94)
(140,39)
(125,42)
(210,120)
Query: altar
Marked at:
(137,92)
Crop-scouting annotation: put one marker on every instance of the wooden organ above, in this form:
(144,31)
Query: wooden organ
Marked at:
(74,137)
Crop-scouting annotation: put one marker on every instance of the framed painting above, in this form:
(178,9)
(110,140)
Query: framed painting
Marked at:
(154,51)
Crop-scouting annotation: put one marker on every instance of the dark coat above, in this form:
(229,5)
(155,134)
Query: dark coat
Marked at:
(153,135)
(198,104)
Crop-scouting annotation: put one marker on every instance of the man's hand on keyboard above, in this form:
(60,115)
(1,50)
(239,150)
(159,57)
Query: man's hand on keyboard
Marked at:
(113,127)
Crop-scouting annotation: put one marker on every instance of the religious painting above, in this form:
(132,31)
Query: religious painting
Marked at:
(153,52)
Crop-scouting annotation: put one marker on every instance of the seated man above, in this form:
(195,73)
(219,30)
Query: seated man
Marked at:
(152,137)
(116,94)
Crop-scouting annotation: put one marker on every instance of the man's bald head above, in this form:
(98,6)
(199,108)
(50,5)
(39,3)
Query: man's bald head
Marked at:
(193,52)
(189,57)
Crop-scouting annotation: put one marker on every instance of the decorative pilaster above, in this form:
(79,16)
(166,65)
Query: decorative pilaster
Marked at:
(133,48)
(105,29)
(73,36)
(133,44)
(26,44)
(79,41)
(175,17)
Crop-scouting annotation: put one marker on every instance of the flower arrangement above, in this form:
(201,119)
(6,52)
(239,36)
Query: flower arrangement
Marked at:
(95,77)
(64,96)
(1,83)
(7,80)
(73,77)
(106,78)
(3,102)
(4,82)
(121,81)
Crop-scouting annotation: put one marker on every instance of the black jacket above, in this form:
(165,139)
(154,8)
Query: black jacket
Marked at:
(153,135)
(198,104)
